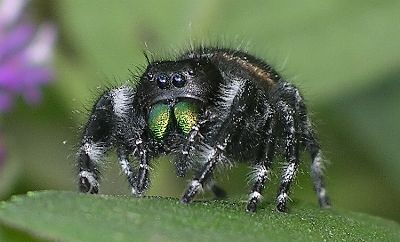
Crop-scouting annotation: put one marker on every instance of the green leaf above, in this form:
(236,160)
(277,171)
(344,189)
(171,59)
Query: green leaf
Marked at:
(68,216)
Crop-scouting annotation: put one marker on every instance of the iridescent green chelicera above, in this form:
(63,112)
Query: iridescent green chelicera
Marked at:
(186,115)
(159,120)
(161,116)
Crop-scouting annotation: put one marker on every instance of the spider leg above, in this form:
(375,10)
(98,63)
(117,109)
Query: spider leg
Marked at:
(262,168)
(126,167)
(143,175)
(139,179)
(317,166)
(214,156)
(291,153)
(213,153)
(182,161)
(95,142)
(109,116)
(130,126)
(262,171)
(310,141)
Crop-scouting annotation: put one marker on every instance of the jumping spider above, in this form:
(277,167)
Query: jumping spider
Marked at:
(209,106)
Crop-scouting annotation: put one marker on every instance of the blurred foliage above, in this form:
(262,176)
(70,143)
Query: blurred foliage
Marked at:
(344,56)
(67,216)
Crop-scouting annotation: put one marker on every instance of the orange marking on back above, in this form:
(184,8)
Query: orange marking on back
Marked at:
(253,69)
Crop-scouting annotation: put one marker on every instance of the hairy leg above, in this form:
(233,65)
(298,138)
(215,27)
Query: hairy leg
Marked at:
(95,142)
(291,153)
(262,167)
(309,139)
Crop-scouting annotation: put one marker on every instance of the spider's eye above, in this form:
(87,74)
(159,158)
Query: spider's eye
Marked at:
(178,80)
(150,76)
(162,81)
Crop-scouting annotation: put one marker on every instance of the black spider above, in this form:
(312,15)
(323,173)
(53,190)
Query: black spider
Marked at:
(209,106)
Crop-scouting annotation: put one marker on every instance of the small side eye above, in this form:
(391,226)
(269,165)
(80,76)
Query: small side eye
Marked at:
(191,72)
(162,81)
(178,80)
(149,76)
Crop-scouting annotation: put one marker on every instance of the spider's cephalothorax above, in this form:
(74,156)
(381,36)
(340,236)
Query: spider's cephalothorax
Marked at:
(208,107)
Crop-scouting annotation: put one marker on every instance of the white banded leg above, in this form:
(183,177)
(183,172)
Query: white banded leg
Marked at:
(94,144)
(89,160)
(127,169)
(317,174)
(262,170)
(213,156)
(259,175)
(97,135)
(310,141)
(291,154)
(183,162)
(143,175)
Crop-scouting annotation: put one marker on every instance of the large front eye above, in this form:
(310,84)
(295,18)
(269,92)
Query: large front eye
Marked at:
(178,80)
(162,81)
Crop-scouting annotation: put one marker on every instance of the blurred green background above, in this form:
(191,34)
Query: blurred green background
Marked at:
(344,56)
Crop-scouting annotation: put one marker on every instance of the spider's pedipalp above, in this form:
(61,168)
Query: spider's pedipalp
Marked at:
(183,161)
(142,175)
(126,167)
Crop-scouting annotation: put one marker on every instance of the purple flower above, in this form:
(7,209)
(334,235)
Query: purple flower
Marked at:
(26,51)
